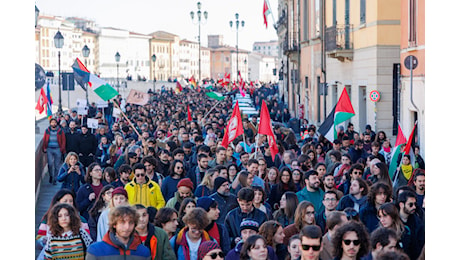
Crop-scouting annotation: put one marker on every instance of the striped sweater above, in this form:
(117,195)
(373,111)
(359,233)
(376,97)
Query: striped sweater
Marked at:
(67,245)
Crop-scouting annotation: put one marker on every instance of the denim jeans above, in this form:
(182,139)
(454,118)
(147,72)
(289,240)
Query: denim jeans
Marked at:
(54,162)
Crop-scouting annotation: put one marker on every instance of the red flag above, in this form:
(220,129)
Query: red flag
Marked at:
(265,128)
(241,84)
(266,12)
(178,87)
(234,127)
(189,114)
(41,102)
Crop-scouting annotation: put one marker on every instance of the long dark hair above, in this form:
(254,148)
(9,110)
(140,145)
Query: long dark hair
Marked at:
(88,178)
(56,198)
(53,219)
(290,184)
(100,203)
(250,244)
(173,165)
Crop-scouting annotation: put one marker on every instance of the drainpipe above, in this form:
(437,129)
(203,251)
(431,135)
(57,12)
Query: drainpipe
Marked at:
(323,54)
(411,85)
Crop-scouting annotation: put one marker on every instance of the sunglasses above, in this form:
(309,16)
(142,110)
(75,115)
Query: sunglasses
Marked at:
(215,254)
(140,175)
(411,204)
(307,247)
(348,242)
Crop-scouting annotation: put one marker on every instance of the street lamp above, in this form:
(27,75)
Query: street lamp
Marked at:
(58,43)
(117,59)
(85,52)
(154,59)
(237,25)
(36,15)
(205,15)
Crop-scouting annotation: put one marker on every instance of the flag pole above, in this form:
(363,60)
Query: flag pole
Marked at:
(129,121)
(269,8)
(212,108)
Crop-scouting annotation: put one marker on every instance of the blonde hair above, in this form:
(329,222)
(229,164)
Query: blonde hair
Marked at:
(69,155)
(207,181)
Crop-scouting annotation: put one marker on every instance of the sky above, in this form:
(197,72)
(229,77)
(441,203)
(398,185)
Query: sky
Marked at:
(147,16)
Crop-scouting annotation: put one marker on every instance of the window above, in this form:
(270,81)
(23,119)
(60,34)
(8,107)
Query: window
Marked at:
(362,12)
(305,20)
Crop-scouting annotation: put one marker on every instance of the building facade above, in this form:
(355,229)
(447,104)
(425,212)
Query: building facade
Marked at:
(262,68)
(412,94)
(225,59)
(270,48)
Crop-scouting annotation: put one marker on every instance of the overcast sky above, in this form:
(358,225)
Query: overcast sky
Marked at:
(147,16)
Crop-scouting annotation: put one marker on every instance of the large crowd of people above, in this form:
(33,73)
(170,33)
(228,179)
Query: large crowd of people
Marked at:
(151,184)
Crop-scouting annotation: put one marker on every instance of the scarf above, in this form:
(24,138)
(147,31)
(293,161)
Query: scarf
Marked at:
(407,171)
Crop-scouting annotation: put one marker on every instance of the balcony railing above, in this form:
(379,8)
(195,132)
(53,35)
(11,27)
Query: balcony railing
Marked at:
(290,46)
(339,42)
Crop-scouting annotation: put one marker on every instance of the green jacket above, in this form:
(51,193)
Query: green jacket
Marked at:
(158,243)
(316,198)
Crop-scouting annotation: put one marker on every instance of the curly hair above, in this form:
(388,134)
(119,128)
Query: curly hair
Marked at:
(377,188)
(121,212)
(268,230)
(53,219)
(351,226)
(197,217)
(250,244)
(173,165)
(57,197)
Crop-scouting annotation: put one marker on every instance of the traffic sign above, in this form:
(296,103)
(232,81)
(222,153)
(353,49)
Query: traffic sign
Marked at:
(408,63)
(374,96)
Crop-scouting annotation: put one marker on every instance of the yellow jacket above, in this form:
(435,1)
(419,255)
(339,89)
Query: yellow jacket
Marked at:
(148,194)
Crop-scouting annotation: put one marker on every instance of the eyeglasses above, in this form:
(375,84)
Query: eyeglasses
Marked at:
(330,199)
(179,167)
(97,170)
(307,247)
(348,242)
(215,254)
(310,213)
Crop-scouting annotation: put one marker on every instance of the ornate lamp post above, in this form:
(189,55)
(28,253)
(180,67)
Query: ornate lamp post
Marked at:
(205,15)
(154,59)
(117,59)
(85,52)
(237,25)
(59,43)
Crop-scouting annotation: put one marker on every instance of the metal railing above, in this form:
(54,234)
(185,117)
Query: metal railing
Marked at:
(40,163)
(339,37)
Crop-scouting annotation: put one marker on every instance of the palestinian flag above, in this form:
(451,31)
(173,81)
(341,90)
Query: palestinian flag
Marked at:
(400,140)
(102,88)
(178,88)
(192,82)
(341,112)
(215,95)
(80,73)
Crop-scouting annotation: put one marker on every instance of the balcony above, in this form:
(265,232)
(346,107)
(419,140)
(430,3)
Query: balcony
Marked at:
(290,47)
(339,42)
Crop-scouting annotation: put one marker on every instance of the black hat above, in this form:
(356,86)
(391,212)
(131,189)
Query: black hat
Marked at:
(219,181)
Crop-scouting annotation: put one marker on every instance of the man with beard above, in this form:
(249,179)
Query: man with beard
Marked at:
(330,202)
(419,184)
(87,145)
(351,241)
(71,138)
(197,175)
(312,192)
(54,144)
(164,163)
(226,201)
(121,238)
(357,196)
(407,202)
(142,190)
(356,151)
(329,185)
(184,190)
(367,143)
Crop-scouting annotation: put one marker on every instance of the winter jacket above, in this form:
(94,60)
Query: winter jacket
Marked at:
(169,187)
(60,139)
(202,190)
(235,217)
(71,141)
(110,248)
(158,243)
(148,194)
(180,246)
(175,201)
(225,203)
(72,180)
(348,201)
(368,216)
(220,234)
(83,203)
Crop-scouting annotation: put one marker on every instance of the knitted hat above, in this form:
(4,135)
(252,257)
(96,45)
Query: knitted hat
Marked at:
(249,224)
(206,247)
(218,182)
(205,203)
(186,182)
(120,190)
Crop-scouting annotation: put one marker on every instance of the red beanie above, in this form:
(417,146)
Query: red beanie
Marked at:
(186,182)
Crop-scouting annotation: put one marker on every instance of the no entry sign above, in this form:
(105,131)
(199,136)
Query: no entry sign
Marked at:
(374,96)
